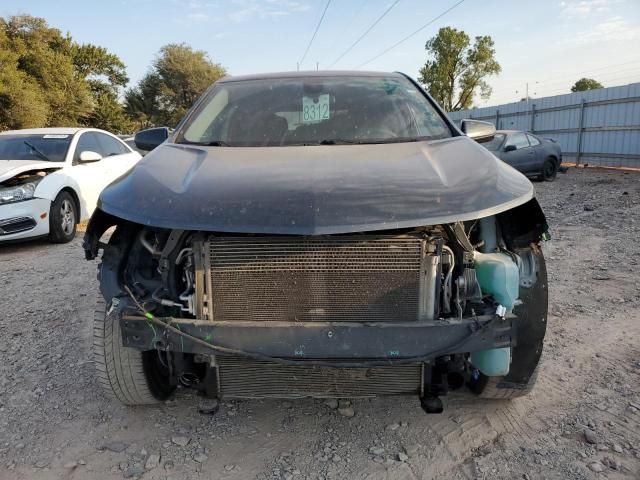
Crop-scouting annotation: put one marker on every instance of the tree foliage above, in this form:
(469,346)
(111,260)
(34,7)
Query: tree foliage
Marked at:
(46,79)
(586,84)
(22,102)
(456,70)
(179,75)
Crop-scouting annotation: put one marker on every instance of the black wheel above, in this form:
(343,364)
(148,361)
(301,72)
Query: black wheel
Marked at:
(498,387)
(63,219)
(531,325)
(126,374)
(549,169)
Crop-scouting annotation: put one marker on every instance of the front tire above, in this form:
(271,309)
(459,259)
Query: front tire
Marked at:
(63,219)
(126,374)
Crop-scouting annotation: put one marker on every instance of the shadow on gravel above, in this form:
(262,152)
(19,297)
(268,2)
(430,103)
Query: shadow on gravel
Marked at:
(34,244)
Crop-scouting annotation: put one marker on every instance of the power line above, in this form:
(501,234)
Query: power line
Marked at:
(314,33)
(365,33)
(542,89)
(560,91)
(338,39)
(599,76)
(563,78)
(411,34)
(545,85)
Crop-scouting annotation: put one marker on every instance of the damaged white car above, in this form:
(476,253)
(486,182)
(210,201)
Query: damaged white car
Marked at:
(50,179)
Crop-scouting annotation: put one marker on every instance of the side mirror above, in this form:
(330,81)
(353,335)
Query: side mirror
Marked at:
(87,156)
(152,137)
(510,148)
(478,130)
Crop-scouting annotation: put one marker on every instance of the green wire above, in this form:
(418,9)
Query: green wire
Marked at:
(150,316)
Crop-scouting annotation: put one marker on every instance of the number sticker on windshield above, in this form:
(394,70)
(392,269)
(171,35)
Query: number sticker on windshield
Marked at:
(315,109)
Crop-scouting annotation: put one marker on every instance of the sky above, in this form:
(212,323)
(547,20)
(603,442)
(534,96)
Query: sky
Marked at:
(547,44)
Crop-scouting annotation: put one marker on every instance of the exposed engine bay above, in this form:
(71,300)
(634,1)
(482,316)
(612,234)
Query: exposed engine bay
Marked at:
(27,177)
(416,311)
(399,276)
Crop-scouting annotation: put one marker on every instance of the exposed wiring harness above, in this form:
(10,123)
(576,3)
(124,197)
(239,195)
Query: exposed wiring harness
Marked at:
(284,361)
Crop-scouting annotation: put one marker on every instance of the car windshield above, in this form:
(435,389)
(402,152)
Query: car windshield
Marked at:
(313,111)
(494,143)
(46,148)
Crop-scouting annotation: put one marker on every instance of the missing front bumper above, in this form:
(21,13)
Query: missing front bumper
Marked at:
(357,342)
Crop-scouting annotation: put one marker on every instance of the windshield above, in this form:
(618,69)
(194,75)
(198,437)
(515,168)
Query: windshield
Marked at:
(46,148)
(312,111)
(494,144)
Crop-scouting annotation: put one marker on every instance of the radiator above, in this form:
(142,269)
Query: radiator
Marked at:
(305,279)
(241,377)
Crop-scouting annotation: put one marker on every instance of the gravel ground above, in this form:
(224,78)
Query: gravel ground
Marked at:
(582,421)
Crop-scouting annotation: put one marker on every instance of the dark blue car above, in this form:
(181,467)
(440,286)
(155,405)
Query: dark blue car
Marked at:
(532,155)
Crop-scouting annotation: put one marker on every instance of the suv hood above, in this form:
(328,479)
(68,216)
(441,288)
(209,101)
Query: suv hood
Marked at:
(315,189)
(11,168)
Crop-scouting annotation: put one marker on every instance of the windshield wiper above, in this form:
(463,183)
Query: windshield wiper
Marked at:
(341,141)
(37,151)
(397,140)
(212,143)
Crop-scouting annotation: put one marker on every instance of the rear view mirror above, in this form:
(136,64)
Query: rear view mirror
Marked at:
(87,156)
(478,130)
(149,139)
(509,148)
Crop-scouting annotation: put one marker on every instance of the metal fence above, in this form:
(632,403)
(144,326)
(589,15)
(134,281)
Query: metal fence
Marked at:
(596,127)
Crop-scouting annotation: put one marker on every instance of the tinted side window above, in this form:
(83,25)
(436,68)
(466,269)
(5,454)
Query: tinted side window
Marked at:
(494,144)
(519,140)
(111,146)
(533,140)
(87,142)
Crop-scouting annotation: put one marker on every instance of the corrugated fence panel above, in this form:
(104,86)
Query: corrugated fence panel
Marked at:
(598,127)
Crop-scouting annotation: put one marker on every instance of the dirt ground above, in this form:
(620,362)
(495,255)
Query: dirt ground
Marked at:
(582,421)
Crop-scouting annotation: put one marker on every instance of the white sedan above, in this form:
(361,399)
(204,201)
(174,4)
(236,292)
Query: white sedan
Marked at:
(50,179)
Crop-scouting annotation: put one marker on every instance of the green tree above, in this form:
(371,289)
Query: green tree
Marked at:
(107,112)
(46,79)
(22,104)
(586,84)
(179,75)
(105,75)
(43,54)
(143,102)
(456,70)
(92,61)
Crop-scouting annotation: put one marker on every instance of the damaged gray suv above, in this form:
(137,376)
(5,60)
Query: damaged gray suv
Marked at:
(325,234)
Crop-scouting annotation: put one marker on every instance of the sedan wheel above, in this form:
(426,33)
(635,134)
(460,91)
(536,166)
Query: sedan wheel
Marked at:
(68,217)
(62,219)
(549,169)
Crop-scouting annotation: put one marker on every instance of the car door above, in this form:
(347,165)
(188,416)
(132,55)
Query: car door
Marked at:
(538,153)
(517,152)
(118,157)
(91,177)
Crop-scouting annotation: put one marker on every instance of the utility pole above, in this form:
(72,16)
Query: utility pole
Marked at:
(527,111)
(526,92)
